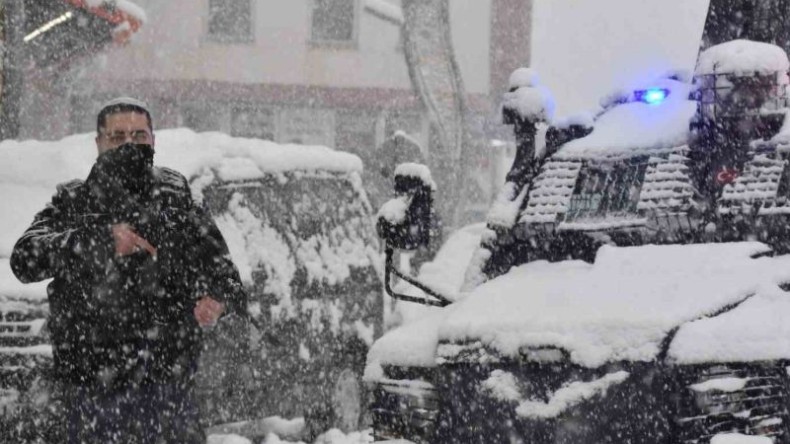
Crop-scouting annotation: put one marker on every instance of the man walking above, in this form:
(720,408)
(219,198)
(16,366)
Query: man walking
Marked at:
(138,268)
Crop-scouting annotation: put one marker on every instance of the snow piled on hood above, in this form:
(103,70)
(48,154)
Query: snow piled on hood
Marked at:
(637,128)
(757,330)
(29,170)
(619,308)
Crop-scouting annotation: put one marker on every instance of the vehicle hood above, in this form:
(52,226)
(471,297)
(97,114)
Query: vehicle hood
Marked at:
(621,307)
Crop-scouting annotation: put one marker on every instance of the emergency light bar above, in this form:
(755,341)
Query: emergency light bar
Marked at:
(652,96)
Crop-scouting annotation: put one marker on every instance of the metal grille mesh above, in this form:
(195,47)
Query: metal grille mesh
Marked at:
(745,399)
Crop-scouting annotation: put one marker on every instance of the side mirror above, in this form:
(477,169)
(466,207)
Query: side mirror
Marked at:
(405,222)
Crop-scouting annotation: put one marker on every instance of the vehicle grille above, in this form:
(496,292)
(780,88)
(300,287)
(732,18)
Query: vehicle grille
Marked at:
(23,350)
(405,409)
(759,407)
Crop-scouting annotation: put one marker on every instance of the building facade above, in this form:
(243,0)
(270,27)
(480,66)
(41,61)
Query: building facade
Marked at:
(328,72)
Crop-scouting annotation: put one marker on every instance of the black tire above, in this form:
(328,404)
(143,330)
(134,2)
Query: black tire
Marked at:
(344,397)
(347,400)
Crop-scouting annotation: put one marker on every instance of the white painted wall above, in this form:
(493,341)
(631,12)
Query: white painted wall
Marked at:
(173,45)
(584,50)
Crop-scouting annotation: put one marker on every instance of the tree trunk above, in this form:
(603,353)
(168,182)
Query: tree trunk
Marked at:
(437,80)
(12,65)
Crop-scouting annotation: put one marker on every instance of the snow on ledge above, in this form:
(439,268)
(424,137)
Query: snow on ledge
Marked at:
(385,10)
(742,57)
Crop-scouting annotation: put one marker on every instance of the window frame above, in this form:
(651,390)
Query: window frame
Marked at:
(242,107)
(225,39)
(352,43)
(592,206)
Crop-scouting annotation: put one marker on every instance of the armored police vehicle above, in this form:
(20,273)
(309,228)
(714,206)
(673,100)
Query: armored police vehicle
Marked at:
(632,283)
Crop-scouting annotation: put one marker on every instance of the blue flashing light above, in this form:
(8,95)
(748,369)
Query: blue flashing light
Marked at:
(652,96)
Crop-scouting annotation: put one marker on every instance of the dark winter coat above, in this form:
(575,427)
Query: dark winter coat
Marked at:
(118,320)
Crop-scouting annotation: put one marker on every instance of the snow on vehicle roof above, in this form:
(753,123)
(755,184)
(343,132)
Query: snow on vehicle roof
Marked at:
(29,170)
(385,9)
(637,127)
(619,308)
(742,57)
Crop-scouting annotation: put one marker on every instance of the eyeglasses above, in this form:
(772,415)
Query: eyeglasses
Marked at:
(120,137)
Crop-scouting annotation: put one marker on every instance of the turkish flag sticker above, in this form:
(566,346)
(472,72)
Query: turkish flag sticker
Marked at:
(726,175)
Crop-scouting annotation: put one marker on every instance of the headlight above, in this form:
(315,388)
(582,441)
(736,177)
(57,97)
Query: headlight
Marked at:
(405,409)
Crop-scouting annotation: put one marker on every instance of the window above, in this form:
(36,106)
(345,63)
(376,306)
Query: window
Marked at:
(355,131)
(334,21)
(607,190)
(253,122)
(82,118)
(230,21)
(200,116)
(306,126)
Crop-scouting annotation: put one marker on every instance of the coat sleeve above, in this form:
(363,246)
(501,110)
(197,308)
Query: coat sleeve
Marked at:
(53,245)
(213,270)
(219,278)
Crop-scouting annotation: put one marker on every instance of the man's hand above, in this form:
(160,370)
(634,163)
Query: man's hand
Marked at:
(208,311)
(128,242)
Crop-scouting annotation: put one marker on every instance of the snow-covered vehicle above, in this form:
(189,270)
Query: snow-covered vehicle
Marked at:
(632,284)
(299,228)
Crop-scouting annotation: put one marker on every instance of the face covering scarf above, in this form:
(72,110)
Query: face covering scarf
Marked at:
(123,169)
